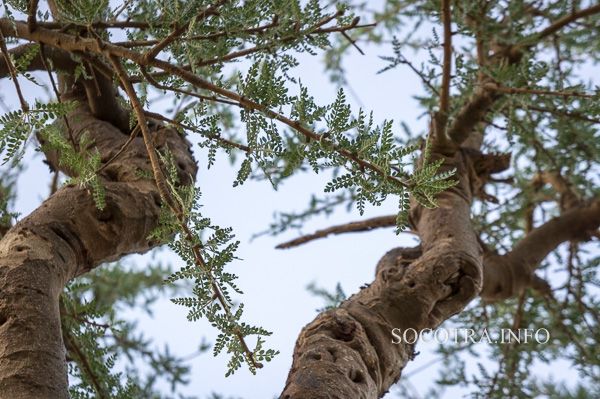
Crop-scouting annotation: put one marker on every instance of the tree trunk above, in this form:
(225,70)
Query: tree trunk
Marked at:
(67,236)
(349,352)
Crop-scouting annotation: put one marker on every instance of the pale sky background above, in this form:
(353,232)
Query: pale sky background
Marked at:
(274,281)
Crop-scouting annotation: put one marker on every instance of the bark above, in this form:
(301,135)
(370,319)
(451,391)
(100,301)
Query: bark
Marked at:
(348,352)
(65,237)
(344,353)
(509,274)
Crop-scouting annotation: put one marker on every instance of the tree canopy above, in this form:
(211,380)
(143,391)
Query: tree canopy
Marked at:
(501,189)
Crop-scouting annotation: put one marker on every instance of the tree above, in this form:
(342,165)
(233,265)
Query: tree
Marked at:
(505,93)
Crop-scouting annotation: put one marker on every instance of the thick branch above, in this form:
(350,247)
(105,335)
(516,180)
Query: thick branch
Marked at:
(567,19)
(507,275)
(471,114)
(61,60)
(102,95)
(32,14)
(13,72)
(483,98)
(348,352)
(65,237)
(447,67)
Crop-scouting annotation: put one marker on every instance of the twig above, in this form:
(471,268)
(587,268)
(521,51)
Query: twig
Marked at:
(520,90)
(574,115)
(560,23)
(161,184)
(212,36)
(119,10)
(133,135)
(179,30)
(100,25)
(352,42)
(190,93)
(315,29)
(13,73)
(352,227)
(71,43)
(427,82)
(83,363)
(237,54)
(224,142)
(174,206)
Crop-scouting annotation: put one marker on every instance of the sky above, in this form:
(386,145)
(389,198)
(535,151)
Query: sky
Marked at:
(274,281)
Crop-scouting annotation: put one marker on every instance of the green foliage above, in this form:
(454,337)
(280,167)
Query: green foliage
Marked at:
(289,132)
(99,340)
(8,179)
(82,11)
(428,181)
(24,60)
(346,142)
(17,126)
(332,299)
(18,5)
(205,260)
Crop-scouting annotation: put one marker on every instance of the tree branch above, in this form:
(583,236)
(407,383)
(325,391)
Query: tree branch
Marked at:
(567,19)
(175,207)
(347,352)
(483,98)
(61,60)
(31,14)
(56,243)
(224,142)
(447,66)
(507,275)
(541,92)
(179,30)
(72,43)
(13,72)
(212,36)
(352,227)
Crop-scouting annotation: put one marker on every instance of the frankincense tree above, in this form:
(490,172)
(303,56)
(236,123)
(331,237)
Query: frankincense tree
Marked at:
(506,91)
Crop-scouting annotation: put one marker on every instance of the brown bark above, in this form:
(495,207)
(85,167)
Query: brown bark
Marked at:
(65,237)
(507,275)
(348,352)
(344,353)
